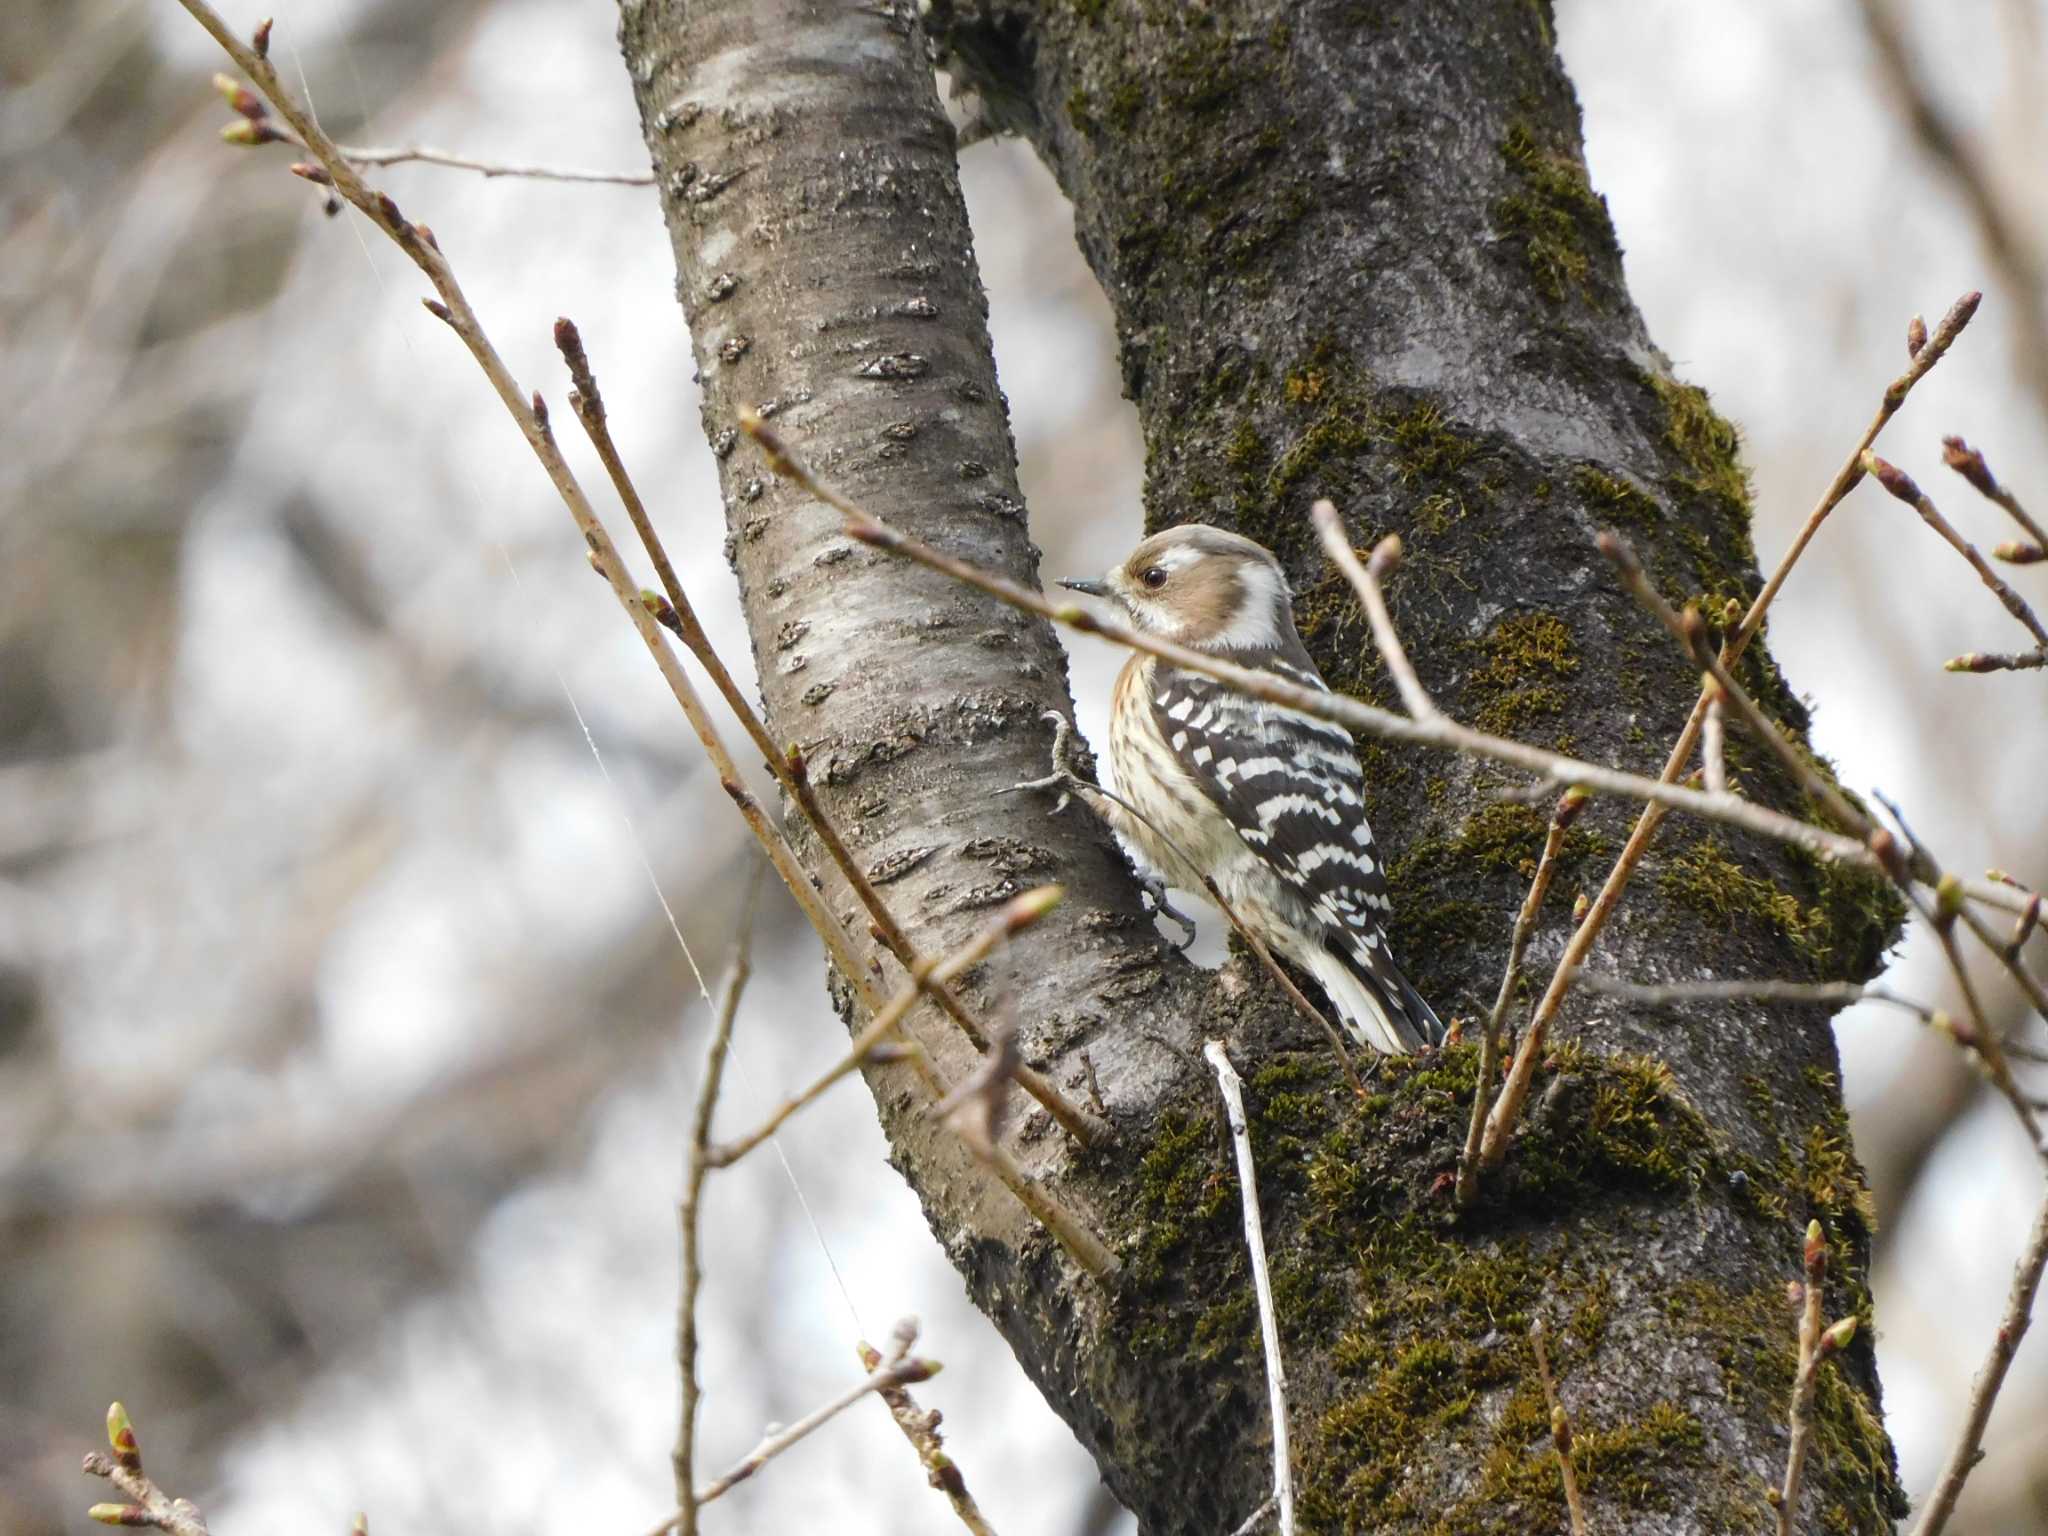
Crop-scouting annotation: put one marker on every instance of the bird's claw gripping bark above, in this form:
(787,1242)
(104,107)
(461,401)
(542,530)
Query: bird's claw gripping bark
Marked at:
(1154,890)
(1065,777)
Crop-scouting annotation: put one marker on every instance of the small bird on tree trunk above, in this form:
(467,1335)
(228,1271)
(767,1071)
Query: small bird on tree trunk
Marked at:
(1265,801)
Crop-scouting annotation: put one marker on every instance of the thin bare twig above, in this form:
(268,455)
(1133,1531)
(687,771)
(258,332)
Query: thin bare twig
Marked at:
(684,1457)
(1560,1433)
(1815,1345)
(1232,1089)
(1840,993)
(1561,819)
(1713,741)
(361,154)
(255,126)
(921,1429)
(787,765)
(898,1370)
(148,1505)
(1019,913)
(453,309)
(1088,1129)
(1900,484)
(2012,1327)
(1672,993)
(1365,580)
(1690,632)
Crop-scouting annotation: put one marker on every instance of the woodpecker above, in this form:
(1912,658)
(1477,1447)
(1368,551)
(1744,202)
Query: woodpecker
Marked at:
(1264,800)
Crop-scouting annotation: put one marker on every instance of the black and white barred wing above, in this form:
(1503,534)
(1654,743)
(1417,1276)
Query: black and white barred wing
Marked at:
(1292,786)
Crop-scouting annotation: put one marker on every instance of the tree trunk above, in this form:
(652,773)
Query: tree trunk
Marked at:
(1353,252)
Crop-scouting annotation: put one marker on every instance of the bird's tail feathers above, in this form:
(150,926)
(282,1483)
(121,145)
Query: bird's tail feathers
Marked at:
(1374,1001)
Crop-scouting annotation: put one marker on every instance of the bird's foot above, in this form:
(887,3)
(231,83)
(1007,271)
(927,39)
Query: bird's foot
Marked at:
(1065,777)
(1154,890)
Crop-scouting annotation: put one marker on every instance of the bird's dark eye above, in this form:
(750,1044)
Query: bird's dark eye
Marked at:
(1153,576)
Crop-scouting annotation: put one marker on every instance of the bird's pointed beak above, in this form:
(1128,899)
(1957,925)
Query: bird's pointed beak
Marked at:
(1091,587)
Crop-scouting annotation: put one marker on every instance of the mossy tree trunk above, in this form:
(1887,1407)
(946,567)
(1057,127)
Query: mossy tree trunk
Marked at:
(1353,252)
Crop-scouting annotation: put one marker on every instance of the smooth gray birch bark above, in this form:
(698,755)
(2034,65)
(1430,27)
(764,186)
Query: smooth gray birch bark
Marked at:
(1352,252)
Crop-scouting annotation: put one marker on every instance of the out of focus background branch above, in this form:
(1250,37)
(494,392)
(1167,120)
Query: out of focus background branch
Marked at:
(338,1027)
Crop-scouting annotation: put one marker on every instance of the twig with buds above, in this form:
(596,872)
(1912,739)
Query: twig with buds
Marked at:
(2012,1327)
(148,1505)
(1941,912)
(452,307)
(2001,226)
(921,1429)
(1969,463)
(1900,865)
(1901,485)
(1232,1089)
(530,413)
(684,1456)
(1816,1344)
(1365,581)
(1560,1433)
(1561,819)
(255,126)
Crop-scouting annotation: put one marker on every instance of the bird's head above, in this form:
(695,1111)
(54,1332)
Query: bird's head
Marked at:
(1201,587)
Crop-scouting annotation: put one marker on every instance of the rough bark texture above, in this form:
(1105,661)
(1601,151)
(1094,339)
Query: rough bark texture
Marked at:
(1353,252)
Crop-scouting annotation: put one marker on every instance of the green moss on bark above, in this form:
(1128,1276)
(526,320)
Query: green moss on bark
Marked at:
(1524,664)
(1423,1315)
(1560,222)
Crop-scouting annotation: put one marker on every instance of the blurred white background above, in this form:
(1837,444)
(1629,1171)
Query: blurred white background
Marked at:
(343,1043)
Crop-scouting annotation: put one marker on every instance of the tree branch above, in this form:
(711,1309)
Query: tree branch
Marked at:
(1228,1084)
(1561,819)
(1901,485)
(900,1369)
(1560,1433)
(2012,1327)
(684,1456)
(1815,1345)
